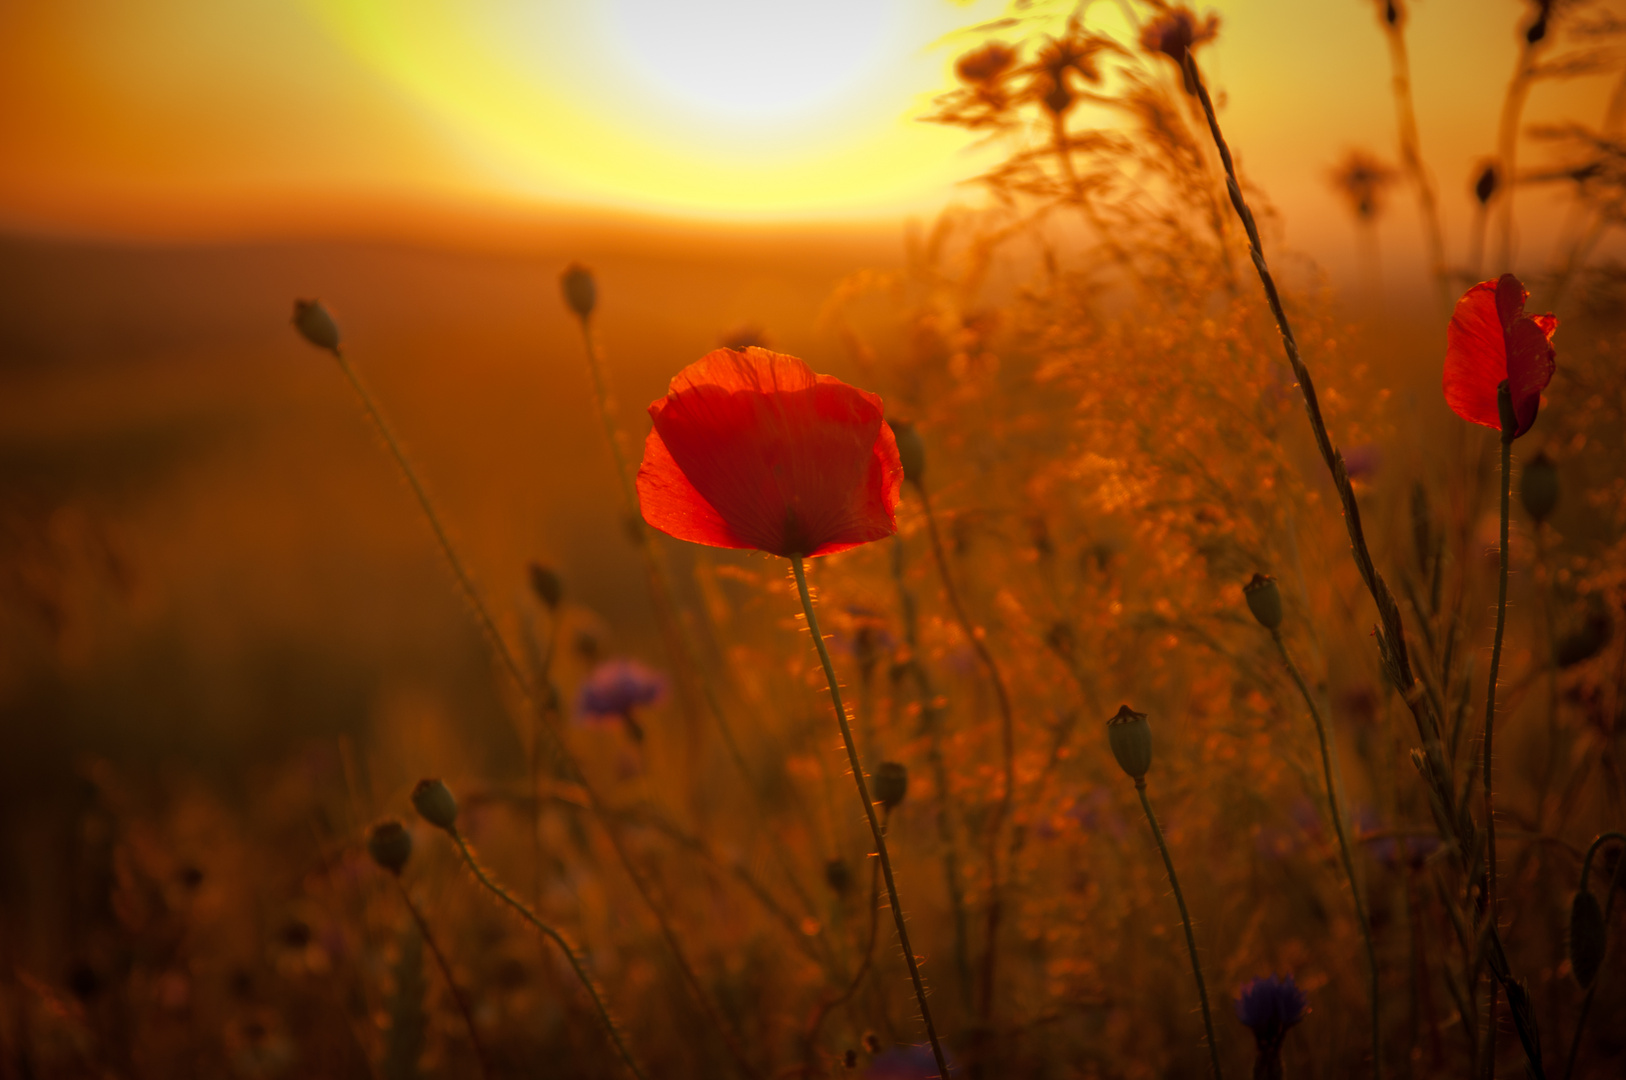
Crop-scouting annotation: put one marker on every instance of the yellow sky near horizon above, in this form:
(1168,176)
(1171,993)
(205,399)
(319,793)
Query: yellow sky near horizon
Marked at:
(202,119)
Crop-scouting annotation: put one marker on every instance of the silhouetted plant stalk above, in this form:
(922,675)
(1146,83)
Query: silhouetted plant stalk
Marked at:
(932,718)
(1509,425)
(510,664)
(830,1004)
(1007,739)
(1390,633)
(451,984)
(1266,603)
(800,572)
(1507,133)
(1393,16)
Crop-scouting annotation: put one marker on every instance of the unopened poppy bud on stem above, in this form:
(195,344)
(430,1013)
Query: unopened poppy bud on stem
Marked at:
(891,784)
(1131,739)
(546,585)
(1588,937)
(1264,600)
(580,290)
(433,800)
(390,845)
(314,323)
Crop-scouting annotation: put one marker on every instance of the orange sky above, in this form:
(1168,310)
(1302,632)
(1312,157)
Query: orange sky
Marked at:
(196,118)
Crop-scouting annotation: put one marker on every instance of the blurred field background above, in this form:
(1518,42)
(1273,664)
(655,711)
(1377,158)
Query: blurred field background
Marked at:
(230,645)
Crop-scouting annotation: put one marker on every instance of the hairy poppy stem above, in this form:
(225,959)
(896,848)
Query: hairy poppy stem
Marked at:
(510,665)
(869,811)
(558,939)
(446,973)
(1343,845)
(1185,921)
(1509,426)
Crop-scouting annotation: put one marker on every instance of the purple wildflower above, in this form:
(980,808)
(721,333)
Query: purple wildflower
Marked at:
(1270,1006)
(614,689)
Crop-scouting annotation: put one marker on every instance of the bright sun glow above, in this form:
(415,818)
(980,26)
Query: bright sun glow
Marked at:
(750,59)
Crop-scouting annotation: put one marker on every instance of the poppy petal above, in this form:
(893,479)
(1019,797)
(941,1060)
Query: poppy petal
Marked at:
(1510,297)
(670,503)
(789,462)
(1530,366)
(1476,356)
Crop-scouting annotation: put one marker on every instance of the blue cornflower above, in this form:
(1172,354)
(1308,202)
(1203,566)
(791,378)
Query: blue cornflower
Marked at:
(614,689)
(1270,1005)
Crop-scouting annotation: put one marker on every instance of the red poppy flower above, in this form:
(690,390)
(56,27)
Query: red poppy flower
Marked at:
(1492,340)
(751,449)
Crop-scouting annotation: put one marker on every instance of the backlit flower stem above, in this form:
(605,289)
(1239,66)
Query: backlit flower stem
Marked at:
(869,811)
(1007,740)
(1608,909)
(510,665)
(558,939)
(1185,921)
(446,973)
(1343,848)
(1508,426)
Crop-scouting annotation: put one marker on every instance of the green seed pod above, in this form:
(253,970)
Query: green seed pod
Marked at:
(580,290)
(1264,600)
(1538,487)
(891,784)
(910,450)
(838,876)
(1587,937)
(547,586)
(1131,739)
(390,845)
(433,800)
(312,320)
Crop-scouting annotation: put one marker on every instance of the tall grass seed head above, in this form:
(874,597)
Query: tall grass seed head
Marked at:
(580,289)
(1588,937)
(891,784)
(1130,737)
(314,323)
(433,801)
(1264,600)
(390,845)
(1538,487)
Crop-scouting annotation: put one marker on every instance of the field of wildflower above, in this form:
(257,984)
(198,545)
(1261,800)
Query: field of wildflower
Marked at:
(1138,662)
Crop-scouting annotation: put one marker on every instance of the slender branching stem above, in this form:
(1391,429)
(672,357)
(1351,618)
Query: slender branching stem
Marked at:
(558,939)
(1337,815)
(1608,907)
(451,984)
(510,665)
(869,811)
(1185,921)
(830,1004)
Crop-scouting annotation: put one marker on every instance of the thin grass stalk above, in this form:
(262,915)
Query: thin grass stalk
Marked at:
(1411,154)
(510,664)
(558,939)
(1007,740)
(451,984)
(1185,922)
(1507,146)
(869,811)
(1343,850)
(934,754)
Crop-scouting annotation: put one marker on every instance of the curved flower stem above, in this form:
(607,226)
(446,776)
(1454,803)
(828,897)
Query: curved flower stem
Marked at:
(830,1004)
(510,665)
(1185,921)
(869,812)
(558,939)
(446,973)
(1343,848)
(1608,907)
(1007,740)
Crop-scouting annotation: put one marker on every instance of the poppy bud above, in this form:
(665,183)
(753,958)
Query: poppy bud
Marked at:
(1537,31)
(314,323)
(849,1060)
(838,876)
(1587,937)
(546,585)
(1058,99)
(1583,644)
(1131,739)
(891,784)
(1264,600)
(390,845)
(1485,186)
(1538,487)
(581,291)
(911,451)
(433,800)
(1391,14)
